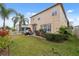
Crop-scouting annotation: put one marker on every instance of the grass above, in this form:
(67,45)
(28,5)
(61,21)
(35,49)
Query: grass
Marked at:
(33,46)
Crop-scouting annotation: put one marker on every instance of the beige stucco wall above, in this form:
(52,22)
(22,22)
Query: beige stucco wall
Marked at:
(46,17)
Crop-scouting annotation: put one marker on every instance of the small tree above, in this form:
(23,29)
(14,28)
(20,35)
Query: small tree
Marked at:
(65,31)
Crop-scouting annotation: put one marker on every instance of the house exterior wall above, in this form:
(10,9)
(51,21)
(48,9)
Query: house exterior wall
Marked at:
(46,17)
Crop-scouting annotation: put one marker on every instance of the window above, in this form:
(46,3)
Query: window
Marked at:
(33,19)
(46,27)
(54,12)
(38,18)
(49,27)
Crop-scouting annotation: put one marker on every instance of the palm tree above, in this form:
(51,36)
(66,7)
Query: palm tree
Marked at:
(5,12)
(1,5)
(15,20)
(22,20)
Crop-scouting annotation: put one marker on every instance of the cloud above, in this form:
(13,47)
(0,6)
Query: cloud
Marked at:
(78,19)
(69,11)
(69,14)
(71,19)
(8,22)
(29,14)
(1,22)
(74,21)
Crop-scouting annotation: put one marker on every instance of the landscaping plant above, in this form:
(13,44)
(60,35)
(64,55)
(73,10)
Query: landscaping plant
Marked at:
(40,32)
(4,32)
(4,42)
(64,34)
(55,37)
(67,31)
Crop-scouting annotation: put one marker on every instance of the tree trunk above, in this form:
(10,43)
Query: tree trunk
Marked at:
(14,25)
(20,26)
(4,23)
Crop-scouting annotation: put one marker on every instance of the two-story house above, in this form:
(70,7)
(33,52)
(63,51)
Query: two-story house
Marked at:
(50,19)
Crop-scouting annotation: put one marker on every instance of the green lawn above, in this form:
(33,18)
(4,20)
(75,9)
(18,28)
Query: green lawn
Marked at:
(32,46)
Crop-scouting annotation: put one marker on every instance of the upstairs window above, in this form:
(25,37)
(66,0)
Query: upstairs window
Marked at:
(32,19)
(38,18)
(54,13)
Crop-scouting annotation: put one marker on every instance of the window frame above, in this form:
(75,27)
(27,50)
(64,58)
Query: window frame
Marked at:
(46,27)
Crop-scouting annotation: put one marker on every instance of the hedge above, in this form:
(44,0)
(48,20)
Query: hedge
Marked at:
(55,37)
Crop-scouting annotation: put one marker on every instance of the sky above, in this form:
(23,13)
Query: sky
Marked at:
(29,9)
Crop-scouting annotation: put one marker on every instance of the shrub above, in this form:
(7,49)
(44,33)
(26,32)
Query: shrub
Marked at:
(65,31)
(4,42)
(37,33)
(55,37)
(64,34)
(3,32)
(40,32)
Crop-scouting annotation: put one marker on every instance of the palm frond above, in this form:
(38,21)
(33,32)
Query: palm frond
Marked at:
(5,12)
(15,19)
